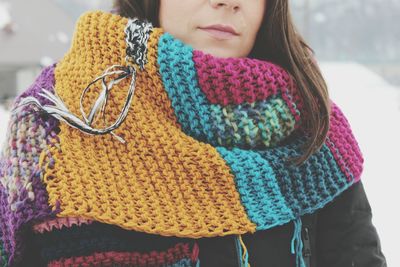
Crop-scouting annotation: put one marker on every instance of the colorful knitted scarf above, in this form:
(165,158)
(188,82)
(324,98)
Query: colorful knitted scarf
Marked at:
(135,132)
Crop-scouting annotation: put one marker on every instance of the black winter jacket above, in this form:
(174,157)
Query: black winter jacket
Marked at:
(341,234)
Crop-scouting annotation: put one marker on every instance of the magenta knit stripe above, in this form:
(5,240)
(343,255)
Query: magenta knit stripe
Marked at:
(238,80)
(170,257)
(347,153)
(59,223)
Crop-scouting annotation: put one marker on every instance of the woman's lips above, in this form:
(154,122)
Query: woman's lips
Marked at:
(219,34)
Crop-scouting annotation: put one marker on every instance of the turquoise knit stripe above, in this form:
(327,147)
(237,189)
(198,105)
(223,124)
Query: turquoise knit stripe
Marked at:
(259,191)
(261,123)
(180,80)
(311,185)
(273,193)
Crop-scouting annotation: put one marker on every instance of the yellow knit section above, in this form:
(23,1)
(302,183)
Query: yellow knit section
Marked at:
(161,181)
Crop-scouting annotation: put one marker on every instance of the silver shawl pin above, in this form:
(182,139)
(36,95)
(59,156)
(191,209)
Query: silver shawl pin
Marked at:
(137,34)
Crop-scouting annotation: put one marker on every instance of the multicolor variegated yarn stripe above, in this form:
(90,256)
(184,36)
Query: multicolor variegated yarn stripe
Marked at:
(200,151)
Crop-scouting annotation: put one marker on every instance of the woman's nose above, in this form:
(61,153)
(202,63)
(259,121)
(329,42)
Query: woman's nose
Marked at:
(231,4)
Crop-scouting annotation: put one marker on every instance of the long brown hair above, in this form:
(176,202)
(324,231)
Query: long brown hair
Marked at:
(278,41)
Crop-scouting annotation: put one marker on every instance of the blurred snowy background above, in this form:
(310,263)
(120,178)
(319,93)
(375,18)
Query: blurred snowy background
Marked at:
(357,44)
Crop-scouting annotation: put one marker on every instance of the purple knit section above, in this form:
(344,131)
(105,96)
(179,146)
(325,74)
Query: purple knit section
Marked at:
(23,196)
(45,80)
(13,224)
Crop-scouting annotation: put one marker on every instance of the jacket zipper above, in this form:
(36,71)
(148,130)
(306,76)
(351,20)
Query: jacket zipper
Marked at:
(307,247)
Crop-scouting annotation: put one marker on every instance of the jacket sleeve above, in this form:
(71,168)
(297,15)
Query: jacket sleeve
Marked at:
(346,236)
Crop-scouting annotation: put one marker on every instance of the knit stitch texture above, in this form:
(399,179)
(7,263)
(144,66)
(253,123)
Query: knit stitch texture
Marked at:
(206,143)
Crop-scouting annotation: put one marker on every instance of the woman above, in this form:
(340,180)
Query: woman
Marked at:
(217,145)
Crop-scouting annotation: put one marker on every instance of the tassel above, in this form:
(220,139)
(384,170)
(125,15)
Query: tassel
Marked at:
(245,257)
(238,250)
(299,244)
